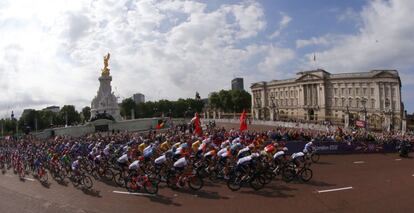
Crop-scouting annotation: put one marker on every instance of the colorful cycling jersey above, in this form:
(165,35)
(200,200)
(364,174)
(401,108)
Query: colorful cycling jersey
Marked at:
(278,154)
(75,165)
(148,151)
(165,146)
(141,147)
(180,163)
(98,158)
(225,144)
(195,146)
(244,160)
(210,153)
(123,159)
(308,147)
(134,165)
(221,152)
(269,148)
(106,150)
(297,155)
(178,151)
(243,151)
(160,160)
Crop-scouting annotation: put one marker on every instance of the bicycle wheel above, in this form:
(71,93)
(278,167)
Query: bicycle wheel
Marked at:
(195,182)
(214,177)
(257,182)
(268,177)
(131,185)
(315,157)
(44,177)
(119,179)
(108,174)
(234,183)
(306,175)
(151,186)
(87,182)
(288,174)
(172,181)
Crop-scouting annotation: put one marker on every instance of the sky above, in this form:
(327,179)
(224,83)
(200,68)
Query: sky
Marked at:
(51,50)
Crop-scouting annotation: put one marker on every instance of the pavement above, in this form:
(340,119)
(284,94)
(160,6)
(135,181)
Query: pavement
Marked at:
(341,183)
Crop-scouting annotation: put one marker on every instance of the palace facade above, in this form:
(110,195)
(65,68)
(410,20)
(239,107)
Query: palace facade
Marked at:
(317,95)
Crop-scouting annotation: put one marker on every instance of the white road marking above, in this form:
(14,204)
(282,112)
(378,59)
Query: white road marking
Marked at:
(398,159)
(31,179)
(133,193)
(334,190)
(359,162)
(26,178)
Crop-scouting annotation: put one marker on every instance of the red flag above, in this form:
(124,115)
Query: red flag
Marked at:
(197,124)
(243,123)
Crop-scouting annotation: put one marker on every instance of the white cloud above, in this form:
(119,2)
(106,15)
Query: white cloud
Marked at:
(384,41)
(312,41)
(52,51)
(282,25)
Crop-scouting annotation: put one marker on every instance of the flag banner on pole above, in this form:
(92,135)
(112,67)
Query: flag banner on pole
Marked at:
(243,123)
(160,124)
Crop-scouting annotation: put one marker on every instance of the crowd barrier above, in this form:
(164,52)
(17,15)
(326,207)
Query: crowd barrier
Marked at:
(343,147)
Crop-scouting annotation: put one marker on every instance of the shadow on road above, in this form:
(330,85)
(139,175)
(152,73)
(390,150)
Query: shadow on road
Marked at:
(46,184)
(92,192)
(274,191)
(314,183)
(163,200)
(62,182)
(323,163)
(204,194)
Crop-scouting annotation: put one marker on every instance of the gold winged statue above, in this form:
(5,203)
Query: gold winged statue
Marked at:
(105,70)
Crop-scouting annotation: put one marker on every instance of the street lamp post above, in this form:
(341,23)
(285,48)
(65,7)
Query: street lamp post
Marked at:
(388,114)
(364,110)
(258,105)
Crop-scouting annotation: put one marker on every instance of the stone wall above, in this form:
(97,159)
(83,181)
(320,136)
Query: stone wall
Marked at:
(127,125)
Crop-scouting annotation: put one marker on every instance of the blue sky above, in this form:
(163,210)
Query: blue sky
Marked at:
(51,51)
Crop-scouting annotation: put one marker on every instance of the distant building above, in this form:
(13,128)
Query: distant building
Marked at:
(55,109)
(317,95)
(138,98)
(237,84)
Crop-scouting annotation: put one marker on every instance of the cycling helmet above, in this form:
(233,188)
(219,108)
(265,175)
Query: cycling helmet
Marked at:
(79,158)
(285,149)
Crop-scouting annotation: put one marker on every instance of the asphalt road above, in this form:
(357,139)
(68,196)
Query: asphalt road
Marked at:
(380,183)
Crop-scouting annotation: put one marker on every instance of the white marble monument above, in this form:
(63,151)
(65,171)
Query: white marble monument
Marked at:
(105,102)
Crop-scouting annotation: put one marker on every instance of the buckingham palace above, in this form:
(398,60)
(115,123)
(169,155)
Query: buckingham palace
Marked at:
(317,95)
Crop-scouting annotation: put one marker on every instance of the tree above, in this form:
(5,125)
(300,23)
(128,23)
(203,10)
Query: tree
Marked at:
(214,101)
(226,101)
(86,112)
(241,100)
(69,114)
(126,106)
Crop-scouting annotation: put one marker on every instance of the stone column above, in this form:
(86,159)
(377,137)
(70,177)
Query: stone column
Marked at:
(403,126)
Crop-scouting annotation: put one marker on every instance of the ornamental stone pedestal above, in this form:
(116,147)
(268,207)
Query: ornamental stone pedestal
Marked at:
(105,102)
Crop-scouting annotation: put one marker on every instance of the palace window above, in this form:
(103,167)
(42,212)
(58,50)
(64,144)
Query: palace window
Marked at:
(365,91)
(372,91)
(372,103)
(357,91)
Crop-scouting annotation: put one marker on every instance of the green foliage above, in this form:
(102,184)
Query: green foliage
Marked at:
(86,113)
(8,126)
(179,108)
(230,100)
(68,112)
